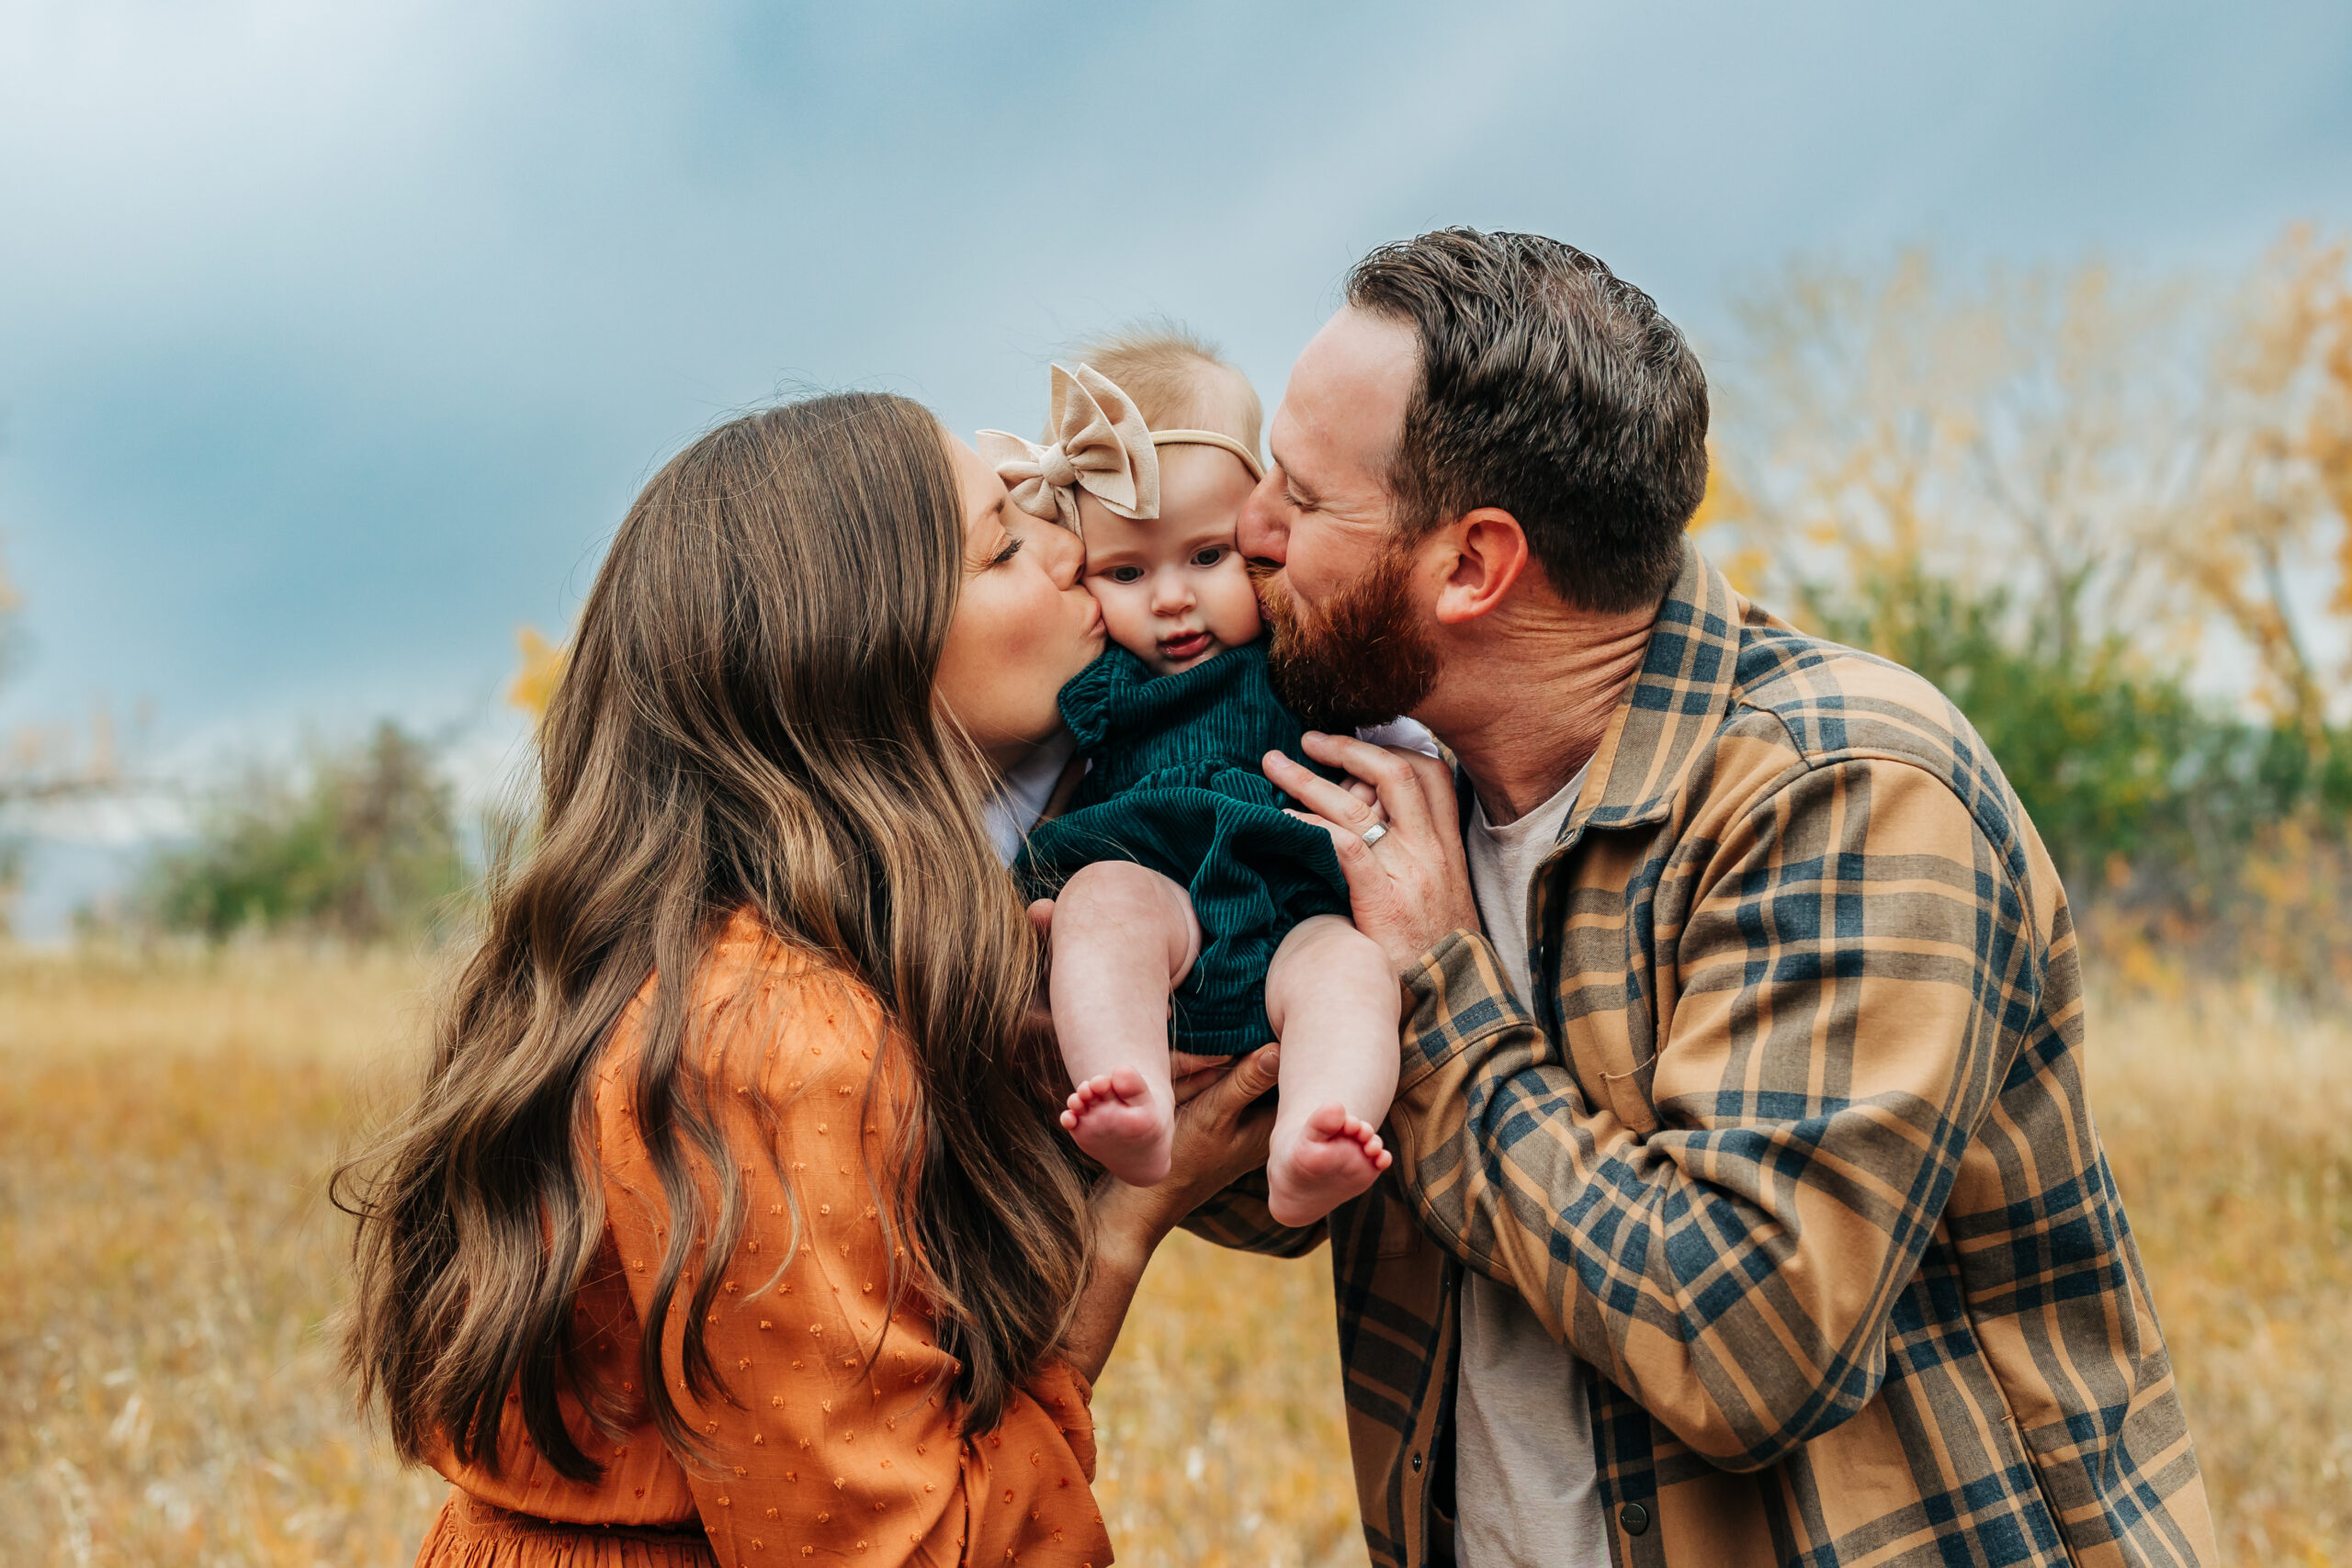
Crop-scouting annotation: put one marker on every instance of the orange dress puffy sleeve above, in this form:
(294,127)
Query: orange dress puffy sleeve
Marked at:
(838,1441)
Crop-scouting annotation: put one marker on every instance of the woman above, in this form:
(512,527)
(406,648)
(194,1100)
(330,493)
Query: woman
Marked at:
(731,1224)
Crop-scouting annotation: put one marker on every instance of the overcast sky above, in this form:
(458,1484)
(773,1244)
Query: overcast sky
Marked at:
(335,338)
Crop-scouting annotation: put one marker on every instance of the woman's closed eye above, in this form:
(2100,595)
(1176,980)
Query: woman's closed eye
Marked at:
(1012,549)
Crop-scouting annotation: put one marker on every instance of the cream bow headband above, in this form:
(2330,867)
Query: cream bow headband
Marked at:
(1101,445)
(1210,438)
(1103,448)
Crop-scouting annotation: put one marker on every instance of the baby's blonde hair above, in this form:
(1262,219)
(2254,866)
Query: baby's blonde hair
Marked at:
(1177,379)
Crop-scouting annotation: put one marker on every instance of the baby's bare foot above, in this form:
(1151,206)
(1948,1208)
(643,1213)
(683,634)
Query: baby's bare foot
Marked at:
(1333,1158)
(1116,1119)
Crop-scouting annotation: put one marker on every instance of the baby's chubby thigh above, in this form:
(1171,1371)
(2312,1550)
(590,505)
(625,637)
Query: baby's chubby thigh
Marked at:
(1326,969)
(1117,912)
(1123,937)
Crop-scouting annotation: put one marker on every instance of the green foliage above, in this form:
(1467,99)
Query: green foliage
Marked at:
(361,845)
(2171,812)
(12,879)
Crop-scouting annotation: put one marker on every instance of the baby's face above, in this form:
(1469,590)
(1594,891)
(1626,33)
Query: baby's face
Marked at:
(1173,590)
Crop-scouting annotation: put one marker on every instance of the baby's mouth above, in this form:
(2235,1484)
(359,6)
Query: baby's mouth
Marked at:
(1179,648)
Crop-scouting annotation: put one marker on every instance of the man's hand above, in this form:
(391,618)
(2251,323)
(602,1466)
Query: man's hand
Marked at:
(1411,889)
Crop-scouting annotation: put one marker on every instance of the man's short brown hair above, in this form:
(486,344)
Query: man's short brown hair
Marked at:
(1552,389)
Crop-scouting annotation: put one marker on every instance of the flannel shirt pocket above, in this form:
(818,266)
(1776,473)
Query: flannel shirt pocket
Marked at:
(1629,1097)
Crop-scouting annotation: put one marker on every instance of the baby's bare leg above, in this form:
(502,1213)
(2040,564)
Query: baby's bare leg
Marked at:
(1123,938)
(1335,1007)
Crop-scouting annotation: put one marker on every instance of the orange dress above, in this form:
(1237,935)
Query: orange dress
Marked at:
(839,1442)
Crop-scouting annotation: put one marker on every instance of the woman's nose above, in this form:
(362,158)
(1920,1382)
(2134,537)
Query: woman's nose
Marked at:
(1065,556)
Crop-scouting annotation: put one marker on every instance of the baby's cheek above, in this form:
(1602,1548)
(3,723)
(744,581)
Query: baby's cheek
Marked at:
(1238,620)
(1129,618)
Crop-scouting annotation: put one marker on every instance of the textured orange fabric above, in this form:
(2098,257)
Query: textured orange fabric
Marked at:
(470,1533)
(839,1440)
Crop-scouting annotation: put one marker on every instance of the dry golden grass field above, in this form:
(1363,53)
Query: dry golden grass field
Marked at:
(166,1395)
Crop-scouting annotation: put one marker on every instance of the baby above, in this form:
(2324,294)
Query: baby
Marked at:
(1180,877)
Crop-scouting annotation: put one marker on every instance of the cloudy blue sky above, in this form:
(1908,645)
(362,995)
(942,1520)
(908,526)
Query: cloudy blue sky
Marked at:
(335,338)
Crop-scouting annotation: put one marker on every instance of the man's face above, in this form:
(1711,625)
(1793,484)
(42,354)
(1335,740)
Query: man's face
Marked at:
(1350,645)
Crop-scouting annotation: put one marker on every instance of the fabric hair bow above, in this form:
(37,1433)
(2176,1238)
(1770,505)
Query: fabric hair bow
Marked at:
(1101,445)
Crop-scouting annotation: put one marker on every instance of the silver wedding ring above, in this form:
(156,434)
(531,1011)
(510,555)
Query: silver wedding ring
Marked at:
(1376,832)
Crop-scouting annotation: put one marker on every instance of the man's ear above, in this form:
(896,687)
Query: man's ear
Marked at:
(1483,551)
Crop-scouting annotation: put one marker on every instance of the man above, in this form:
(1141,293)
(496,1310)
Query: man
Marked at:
(1756,1112)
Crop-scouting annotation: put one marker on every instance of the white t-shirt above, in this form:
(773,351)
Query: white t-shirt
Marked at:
(1526,1489)
(1409,733)
(1020,795)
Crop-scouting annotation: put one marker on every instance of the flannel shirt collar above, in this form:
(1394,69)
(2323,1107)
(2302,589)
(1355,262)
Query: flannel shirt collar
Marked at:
(1671,708)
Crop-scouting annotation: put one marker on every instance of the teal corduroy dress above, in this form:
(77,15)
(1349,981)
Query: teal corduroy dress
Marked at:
(1175,785)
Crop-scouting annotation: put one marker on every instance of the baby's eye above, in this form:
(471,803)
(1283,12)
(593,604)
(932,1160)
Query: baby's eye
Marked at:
(1209,556)
(1125,574)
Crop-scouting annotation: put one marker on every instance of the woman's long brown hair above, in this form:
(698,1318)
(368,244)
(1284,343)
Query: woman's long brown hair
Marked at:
(747,722)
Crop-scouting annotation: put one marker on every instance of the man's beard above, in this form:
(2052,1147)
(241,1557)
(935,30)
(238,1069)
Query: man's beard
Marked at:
(1362,661)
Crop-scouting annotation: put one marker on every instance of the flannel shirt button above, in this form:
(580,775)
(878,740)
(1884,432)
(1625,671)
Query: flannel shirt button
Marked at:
(1635,1517)
(1417,1464)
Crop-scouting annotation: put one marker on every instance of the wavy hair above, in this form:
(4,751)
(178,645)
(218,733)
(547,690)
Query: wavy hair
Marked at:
(747,721)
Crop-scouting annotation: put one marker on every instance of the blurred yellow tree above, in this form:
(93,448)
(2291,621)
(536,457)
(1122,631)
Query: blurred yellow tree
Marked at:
(2133,461)
(2273,458)
(1897,425)
(542,667)
(1739,558)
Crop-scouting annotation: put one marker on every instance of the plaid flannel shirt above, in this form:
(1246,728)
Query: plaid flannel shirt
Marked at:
(1792,1149)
